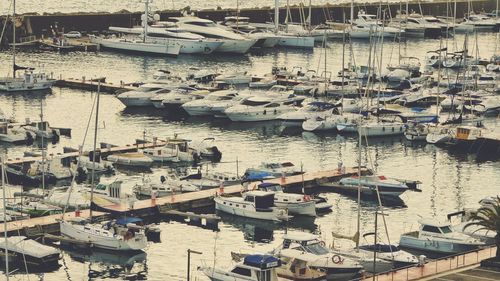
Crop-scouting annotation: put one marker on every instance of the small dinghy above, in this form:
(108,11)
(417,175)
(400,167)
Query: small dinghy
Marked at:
(131,159)
(267,170)
(23,249)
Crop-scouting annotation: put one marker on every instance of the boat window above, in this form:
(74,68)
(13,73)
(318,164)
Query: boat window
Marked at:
(100,186)
(265,275)
(163,91)
(242,271)
(429,228)
(316,249)
(147,89)
(86,228)
(445,229)
(207,24)
(254,103)
(249,199)
(272,105)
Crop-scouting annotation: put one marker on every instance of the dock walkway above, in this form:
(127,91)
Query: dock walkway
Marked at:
(179,202)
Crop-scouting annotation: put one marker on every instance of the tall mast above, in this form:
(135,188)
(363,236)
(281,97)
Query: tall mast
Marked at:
(352,12)
(92,186)
(145,21)
(14,39)
(276,15)
(5,223)
(44,128)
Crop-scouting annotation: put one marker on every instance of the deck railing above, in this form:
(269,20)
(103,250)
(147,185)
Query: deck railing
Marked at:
(436,266)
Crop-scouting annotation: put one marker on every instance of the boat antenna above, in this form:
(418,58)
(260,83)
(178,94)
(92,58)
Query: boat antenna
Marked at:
(14,39)
(92,182)
(5,222)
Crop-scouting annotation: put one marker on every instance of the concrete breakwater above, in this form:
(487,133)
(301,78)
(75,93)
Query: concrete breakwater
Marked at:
(42,25)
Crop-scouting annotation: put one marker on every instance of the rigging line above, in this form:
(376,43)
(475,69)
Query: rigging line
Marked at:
(6,21)
(70,189)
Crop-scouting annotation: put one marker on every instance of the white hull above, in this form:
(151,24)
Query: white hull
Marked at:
(8,85)
(382,129)
(249,211)
(312,125)
(235,46)
(301,208)
(109,242)
(169,49)
(131,101)
(253,116)
(189,46)
(296,42)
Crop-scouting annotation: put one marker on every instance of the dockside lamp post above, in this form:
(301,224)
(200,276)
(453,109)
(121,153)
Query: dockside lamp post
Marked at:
(189,262)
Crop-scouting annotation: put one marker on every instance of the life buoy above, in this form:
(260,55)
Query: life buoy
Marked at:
(336,259)
(34,80)
(322,243)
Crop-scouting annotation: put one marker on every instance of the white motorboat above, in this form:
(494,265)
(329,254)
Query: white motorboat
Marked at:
(477,22)
(415,25)
(168,185)
(157,99)
(489,106)
(214,103)
(262,108)
(381,128)
(291,40)
(392,254)
(336,267)
(207,149)
(31,80)
(137,44)
(234,78)
(175,150)
(131,159)
(366,26)
(253,268)
(33,208)
(253,204)
(106,235)
(464,225)
(296,204)
(439,134)
(312,110)
(326,123)
(416,131)
(265,39)
(232,42)
(25,251)
(369,185)
(431,23)
(177,99)
(271,170)
(142,95)
(439,238)
(16,134)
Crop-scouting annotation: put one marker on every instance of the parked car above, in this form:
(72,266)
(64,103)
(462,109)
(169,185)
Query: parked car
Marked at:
(73,34)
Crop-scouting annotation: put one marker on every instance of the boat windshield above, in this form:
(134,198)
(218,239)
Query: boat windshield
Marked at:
(275,188)
(445,229)
(316,249)
(254,103)
(147,89)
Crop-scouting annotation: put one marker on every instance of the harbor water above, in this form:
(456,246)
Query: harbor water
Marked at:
(450,181)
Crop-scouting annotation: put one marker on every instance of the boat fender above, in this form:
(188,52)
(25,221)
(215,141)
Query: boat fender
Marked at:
(336,259)
(307,198)
(207,50)
(264,112)
(275,112)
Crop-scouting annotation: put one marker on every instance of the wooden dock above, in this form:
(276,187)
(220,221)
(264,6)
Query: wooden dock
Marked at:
(92,84)
(179,202)
(201,199)
(104,150)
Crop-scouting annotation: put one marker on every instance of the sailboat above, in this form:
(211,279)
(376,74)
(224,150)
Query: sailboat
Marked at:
(107,235)
(288,39)
(31,80)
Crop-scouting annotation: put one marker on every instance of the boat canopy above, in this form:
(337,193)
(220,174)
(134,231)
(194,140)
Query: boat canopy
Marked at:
(322,105)
(125,221)
(262,261)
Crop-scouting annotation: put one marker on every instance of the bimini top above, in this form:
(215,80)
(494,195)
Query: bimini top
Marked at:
(433,222)
(262,261)
(322,105)
(266,184)
(124,221)
(300,236)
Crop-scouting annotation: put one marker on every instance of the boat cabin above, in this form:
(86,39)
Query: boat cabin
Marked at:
(262,200)
(305,242)
(258,267)
(434,228)
(466,133)
(109,188)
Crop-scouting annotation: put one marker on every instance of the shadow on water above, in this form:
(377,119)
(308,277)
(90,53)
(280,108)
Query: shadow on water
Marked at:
(263,230)
(104,264)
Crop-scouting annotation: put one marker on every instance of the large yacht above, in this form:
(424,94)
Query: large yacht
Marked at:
(232,41)
(367,25)
(142,95)
(262,108)
(213,104)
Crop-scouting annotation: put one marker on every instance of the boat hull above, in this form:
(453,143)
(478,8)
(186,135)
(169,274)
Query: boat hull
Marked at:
(437,247)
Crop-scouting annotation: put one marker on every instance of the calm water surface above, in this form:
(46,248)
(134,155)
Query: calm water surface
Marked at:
(450,182)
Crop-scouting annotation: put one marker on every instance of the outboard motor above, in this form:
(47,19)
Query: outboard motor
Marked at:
(163,179)
(29,138)
(217,155)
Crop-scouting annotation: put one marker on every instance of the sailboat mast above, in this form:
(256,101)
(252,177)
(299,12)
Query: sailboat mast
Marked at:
(44,128)
(352,12)
(92,182)
(358,226)
(276,15)
(14,39)
(5,223)
(144,22)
